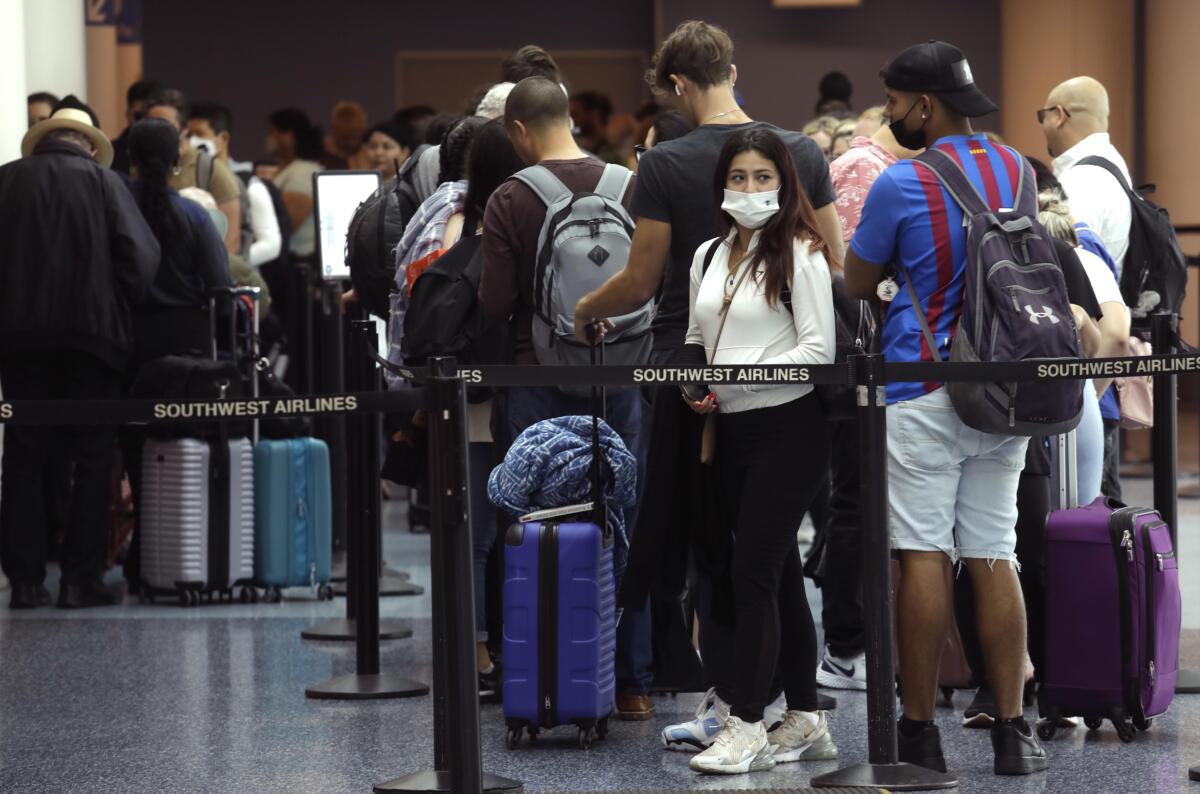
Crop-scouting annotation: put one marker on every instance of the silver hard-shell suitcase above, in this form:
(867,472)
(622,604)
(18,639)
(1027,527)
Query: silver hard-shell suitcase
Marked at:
(197,516)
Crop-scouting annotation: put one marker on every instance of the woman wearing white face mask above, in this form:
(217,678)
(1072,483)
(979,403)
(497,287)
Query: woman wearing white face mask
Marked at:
(761,294)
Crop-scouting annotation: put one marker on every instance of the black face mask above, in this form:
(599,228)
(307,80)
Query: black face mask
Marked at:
(909,140)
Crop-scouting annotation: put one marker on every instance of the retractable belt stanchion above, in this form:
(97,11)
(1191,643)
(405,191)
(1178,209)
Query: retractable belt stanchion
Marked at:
(343,629)
(1165,444)
(456,752)
(882,768)
(366,682)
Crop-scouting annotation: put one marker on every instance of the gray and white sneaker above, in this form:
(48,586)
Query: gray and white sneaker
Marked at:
(738,748)
(803,736)
(835,672)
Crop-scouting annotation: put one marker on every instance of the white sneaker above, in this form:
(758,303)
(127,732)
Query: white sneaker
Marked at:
(738,748)
(835,672)
(698,734)
(803,736)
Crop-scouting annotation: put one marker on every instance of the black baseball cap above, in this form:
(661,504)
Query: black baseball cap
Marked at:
(939,68)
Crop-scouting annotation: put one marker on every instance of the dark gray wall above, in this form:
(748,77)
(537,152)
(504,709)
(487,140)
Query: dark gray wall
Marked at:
(782,54)
(258,55)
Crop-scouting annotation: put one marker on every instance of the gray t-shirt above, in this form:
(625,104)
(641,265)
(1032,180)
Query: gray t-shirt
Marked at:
(675,186)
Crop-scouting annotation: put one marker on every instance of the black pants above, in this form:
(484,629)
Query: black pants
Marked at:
(772,462)
(1110,486)
(56,375)
(841,588)
(1033,505)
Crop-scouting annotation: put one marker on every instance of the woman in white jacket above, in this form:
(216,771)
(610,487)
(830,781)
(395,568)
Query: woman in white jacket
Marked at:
(761,295)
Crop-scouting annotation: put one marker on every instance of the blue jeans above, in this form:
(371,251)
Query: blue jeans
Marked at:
(528,405)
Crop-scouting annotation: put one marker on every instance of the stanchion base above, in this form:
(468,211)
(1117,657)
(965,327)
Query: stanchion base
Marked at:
(826,702)
(1194,774)
(1190,492)
(341,629)
(366,687)
(1187,682)
(392,573)
(432,782)
(893,777)
(388,587)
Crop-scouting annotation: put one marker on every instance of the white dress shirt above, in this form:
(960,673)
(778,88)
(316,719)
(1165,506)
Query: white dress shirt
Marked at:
(757,333)
(1095,197)
(268,239)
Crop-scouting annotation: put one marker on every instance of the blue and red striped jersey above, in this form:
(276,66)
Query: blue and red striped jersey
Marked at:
(910,219)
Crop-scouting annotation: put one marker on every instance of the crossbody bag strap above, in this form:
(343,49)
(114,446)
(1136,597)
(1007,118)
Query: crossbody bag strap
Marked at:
(725,310)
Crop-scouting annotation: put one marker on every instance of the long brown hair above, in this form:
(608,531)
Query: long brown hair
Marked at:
(796,217)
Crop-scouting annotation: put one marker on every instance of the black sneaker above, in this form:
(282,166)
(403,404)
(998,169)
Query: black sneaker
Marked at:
(490,686)
(982,711)
(923,748)
(29,596)
(1018,752)
(88,593)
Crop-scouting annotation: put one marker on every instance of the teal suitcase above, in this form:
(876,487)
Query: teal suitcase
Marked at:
(293,526)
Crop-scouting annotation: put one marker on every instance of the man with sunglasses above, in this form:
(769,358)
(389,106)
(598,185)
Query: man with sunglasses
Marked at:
(1075,123)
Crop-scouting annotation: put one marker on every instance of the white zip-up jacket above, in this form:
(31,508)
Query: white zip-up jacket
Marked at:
(756,333)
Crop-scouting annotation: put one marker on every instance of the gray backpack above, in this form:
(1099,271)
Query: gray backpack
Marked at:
(584,242)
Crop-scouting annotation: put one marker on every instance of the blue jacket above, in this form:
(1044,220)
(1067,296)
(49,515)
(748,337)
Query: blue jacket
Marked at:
(550,465)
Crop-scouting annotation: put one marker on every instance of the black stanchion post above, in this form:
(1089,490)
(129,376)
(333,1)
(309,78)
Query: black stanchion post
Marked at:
(367,682)
(882,768)
(1164,329)
(456,749)
(344,374)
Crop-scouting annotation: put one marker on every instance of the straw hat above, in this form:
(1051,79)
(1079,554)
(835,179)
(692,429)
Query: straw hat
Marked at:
(70,114)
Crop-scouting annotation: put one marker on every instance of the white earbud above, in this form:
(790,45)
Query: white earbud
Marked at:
(677,91)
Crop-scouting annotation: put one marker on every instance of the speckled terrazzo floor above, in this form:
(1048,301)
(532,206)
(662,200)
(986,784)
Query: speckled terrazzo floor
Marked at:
(161,699)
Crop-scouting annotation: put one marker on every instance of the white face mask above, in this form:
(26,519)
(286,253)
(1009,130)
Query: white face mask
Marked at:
(751,210)
(207,144)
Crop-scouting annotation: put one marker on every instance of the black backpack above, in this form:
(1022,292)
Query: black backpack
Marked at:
(376,228)
(444,318)
(1154,275)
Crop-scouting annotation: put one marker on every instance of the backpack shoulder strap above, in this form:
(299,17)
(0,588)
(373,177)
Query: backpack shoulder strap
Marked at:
(1109,166)
(545,185)
(954,180)
(709,254)
(613,182)
(204,170)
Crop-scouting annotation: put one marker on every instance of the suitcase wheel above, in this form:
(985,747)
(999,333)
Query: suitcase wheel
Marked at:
(1093,723)
(513,740)
(585,739)
(1047,729)
(1142,725)
(1124,729)
(325,592)
(247,595)
(274,596)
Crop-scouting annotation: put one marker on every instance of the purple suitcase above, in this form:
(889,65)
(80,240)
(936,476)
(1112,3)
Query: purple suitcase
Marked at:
(1113,617)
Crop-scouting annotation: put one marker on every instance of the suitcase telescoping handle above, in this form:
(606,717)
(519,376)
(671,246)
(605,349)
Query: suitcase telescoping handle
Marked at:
(1064,475)
(599,398)
(251,298)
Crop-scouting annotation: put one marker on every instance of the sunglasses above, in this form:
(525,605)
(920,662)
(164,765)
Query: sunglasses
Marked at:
(638,151)
(1041,114)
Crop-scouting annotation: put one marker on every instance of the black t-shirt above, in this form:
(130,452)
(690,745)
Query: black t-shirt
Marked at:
(1080,293)
(675,186)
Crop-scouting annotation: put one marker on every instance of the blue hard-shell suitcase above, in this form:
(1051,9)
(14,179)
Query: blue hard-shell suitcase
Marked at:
(293,527)
(560,627)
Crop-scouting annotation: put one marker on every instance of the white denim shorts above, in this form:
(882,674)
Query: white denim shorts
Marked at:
(951,488)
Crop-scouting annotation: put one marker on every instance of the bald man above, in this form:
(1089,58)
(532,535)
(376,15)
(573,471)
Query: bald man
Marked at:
(1075,123)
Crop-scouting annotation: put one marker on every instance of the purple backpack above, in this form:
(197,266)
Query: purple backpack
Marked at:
(1014,308)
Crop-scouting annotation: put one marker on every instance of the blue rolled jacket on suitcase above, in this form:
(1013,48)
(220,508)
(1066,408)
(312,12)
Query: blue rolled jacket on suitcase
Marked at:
(560,568)
(293,527)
